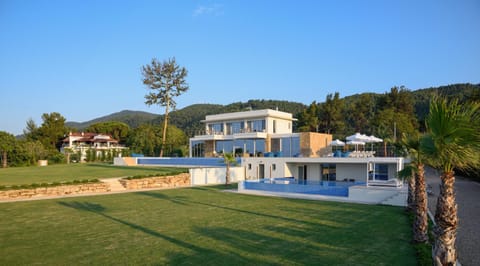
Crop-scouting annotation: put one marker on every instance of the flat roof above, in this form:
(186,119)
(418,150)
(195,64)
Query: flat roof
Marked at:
(249,115)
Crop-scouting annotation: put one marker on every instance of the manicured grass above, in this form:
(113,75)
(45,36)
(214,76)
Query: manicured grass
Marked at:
(70,172)
(201,226)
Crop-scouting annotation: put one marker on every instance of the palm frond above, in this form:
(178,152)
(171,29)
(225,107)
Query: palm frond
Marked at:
(407,172)
(453,139)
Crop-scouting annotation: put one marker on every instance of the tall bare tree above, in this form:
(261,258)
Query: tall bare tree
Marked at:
(165,80)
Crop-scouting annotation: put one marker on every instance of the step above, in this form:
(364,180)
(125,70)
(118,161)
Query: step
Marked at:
(114,184)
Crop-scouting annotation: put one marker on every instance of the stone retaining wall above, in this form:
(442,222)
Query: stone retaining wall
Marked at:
(54,191)
(180,180)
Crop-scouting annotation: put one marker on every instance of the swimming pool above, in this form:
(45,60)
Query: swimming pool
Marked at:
(290,185)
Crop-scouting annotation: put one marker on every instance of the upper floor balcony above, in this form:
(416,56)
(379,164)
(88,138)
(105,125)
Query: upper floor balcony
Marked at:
(246,133)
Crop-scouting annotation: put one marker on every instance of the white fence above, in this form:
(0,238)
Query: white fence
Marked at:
(210,176)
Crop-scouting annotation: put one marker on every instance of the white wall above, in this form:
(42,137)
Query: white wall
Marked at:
(210,176)
(281,125)
(274,167)
(352,171)
(313,171)
(119,161)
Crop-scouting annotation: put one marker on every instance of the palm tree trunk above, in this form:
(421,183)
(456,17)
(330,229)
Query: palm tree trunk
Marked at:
(420,223)
(227,174)
(411,193)
(164,135)
(444,250)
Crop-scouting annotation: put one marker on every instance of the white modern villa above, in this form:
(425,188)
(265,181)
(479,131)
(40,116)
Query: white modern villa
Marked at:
(269,149)
(273,159)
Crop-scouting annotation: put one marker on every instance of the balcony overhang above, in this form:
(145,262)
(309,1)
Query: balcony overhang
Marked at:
(212,137)
(250,135)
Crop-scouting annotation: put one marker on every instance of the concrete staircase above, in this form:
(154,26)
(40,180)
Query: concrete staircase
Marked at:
(399,199)
(114,184)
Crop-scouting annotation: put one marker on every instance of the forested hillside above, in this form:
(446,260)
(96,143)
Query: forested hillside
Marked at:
(337,115)
(131,118)
(188,118)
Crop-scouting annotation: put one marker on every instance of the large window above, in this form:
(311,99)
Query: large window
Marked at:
(215,128)
(381,172)
(291,146)
(251,146)
(222,146)
(235,127)
(256,125)
(329,172)
(198,149)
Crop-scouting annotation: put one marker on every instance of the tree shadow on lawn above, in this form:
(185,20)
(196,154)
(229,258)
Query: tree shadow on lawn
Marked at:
(182,200)
(185,201)
(274,247)
(194,252)
(99,209)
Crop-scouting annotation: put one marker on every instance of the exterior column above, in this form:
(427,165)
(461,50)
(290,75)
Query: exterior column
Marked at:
(190,148)
(268,143)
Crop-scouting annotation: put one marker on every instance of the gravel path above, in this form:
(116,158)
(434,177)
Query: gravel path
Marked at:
(468,200)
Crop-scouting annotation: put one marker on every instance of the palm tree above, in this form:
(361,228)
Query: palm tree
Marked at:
(228,159)
(408,173)
(452,142)
(416,168)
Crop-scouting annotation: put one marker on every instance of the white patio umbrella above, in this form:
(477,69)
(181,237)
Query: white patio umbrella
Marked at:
(373,139)
(356,143)
(358,137)
(337,143)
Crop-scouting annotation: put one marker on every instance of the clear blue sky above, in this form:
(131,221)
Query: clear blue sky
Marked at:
(83,58)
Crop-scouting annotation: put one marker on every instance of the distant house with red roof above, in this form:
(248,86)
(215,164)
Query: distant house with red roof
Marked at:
(101,144)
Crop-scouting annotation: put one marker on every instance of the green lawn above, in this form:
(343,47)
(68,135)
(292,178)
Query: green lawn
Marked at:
(199,226)
(70,172)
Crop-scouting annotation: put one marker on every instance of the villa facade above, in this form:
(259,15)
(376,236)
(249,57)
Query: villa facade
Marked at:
(259,133)
(101,144)
(268,148)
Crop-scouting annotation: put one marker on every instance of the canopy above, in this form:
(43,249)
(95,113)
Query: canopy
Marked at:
(356,142)
(337,142)
(374,139)
(358,137)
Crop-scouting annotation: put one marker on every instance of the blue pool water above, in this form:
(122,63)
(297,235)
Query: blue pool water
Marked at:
(290,185)
(183,161)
